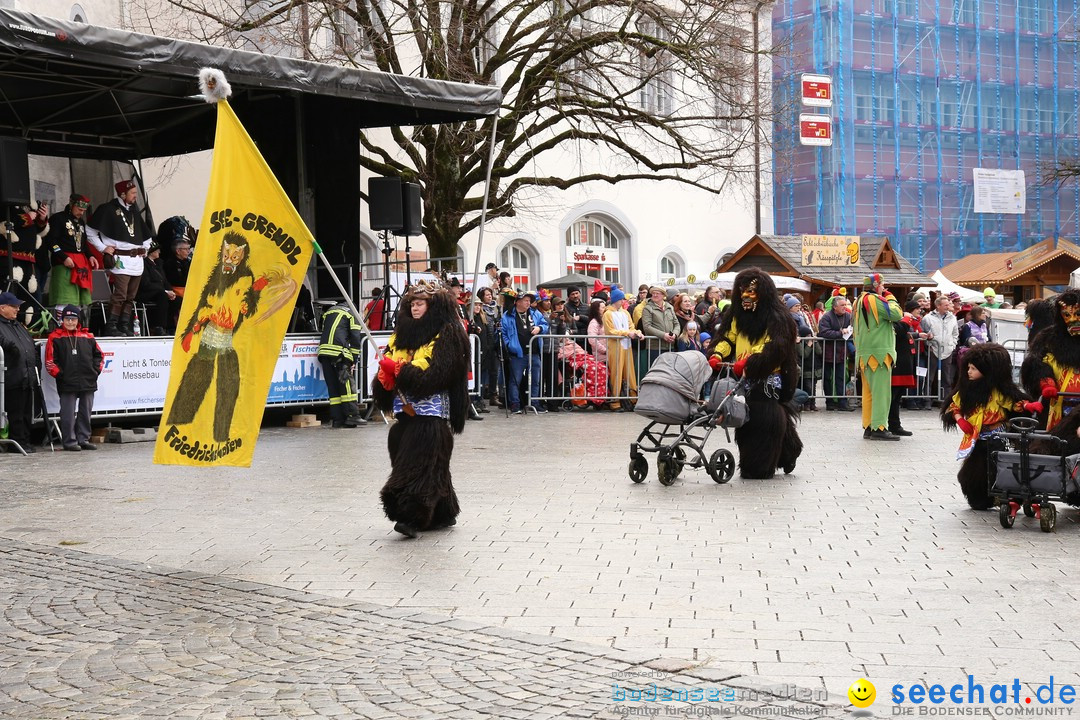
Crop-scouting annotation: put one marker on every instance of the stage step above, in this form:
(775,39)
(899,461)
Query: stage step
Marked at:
(130,435)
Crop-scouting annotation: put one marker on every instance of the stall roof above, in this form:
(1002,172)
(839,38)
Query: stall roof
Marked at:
(76,90)
(782,255)
(1008,267)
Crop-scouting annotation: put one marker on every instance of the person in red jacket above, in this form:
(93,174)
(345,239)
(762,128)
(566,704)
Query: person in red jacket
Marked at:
(74,358)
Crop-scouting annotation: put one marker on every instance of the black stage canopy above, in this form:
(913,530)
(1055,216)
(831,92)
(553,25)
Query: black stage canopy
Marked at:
(76,90)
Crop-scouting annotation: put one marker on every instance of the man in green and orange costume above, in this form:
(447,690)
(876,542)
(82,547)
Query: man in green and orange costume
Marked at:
(875,352)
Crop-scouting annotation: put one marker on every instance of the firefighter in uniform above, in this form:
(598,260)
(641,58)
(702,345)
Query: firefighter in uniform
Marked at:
(342,340)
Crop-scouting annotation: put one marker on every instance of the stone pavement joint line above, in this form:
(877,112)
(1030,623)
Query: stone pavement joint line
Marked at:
(88,636)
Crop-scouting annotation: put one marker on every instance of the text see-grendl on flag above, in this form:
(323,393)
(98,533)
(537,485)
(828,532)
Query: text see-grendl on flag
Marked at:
(251,256)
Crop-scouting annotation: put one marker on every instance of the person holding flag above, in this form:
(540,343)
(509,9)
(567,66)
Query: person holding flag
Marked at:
(240,289)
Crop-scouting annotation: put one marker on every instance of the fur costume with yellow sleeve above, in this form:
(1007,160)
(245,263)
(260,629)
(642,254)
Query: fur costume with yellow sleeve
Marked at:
(758,335)
(422,378)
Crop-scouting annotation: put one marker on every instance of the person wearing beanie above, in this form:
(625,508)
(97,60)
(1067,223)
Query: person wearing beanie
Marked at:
(74,358)
(620,357)
(990,299)
(71,281)
(659,323)
(20,370)
(875,352)
(117,230)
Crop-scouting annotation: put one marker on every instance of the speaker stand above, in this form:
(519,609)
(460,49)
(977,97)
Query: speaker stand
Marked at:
(388,291)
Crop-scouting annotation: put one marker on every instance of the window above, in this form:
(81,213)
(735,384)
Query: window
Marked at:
(964,12)
(733,74)
(668,267)
(656,74)
(516,261)
(343,31)
(78,14)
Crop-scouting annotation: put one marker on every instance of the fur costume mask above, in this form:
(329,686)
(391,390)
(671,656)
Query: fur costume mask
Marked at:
(757,303)
(1068,307)
(442,309)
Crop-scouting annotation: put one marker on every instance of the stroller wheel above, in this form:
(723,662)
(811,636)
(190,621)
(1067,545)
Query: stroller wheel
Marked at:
(1028,510)
(639,468)
(722,466)
(669,465)
(1006,515)
(1047,517)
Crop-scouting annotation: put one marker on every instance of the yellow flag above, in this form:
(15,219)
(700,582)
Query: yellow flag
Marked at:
(252,253)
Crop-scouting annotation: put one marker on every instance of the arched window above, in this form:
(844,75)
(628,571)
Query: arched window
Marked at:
(78,14)
(517,259)
(592,248)
(671,265)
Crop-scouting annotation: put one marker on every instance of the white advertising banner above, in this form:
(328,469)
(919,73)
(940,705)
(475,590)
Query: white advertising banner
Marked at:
(134,379)
(136,375)
(999,191)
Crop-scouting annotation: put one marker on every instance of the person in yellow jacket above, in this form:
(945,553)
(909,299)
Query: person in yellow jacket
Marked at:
(875,352)
(620,357)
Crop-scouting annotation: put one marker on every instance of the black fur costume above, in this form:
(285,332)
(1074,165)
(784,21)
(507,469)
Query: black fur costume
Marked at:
(1039,314)
(1054,340)
(768,440)
(419,492)
(993,361)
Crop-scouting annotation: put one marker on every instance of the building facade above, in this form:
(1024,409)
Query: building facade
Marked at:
(926,91)
(631,232)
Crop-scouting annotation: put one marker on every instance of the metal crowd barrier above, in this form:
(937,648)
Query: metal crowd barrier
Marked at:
(837,380)
(578,372)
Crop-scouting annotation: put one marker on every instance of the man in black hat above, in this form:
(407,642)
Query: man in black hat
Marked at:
(492,271)
(20,371)
(120,234)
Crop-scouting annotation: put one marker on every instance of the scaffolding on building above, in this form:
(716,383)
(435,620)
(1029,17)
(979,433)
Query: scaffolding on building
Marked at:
(925,92)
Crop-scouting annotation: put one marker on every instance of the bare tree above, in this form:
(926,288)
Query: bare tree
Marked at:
(633,89)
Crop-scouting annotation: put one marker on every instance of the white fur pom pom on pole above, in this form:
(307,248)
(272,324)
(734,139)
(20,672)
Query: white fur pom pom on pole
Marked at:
(213,85)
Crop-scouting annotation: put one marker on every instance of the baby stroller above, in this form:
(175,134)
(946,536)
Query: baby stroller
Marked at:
(584,377)
(669,397)
(1029,480)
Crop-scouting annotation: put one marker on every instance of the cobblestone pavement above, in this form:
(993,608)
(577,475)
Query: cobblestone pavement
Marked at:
(92,637)
(864,562)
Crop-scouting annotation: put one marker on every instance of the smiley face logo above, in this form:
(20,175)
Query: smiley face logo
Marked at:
(862,693)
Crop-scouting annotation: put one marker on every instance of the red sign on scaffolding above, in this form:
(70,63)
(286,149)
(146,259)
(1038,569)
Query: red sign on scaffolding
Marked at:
(815,130)
(816,90)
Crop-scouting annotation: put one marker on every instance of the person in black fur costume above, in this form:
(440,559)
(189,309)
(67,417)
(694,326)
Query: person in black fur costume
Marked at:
(986,397)
(1038,314)
(757,334)
(1052,364)
(422,377)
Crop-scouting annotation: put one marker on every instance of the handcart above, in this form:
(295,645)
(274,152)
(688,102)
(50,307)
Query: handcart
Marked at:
(681,422)
(1031,481)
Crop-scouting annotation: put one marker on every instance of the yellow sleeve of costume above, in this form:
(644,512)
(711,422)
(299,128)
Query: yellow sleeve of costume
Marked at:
(725,345)
(421,358)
